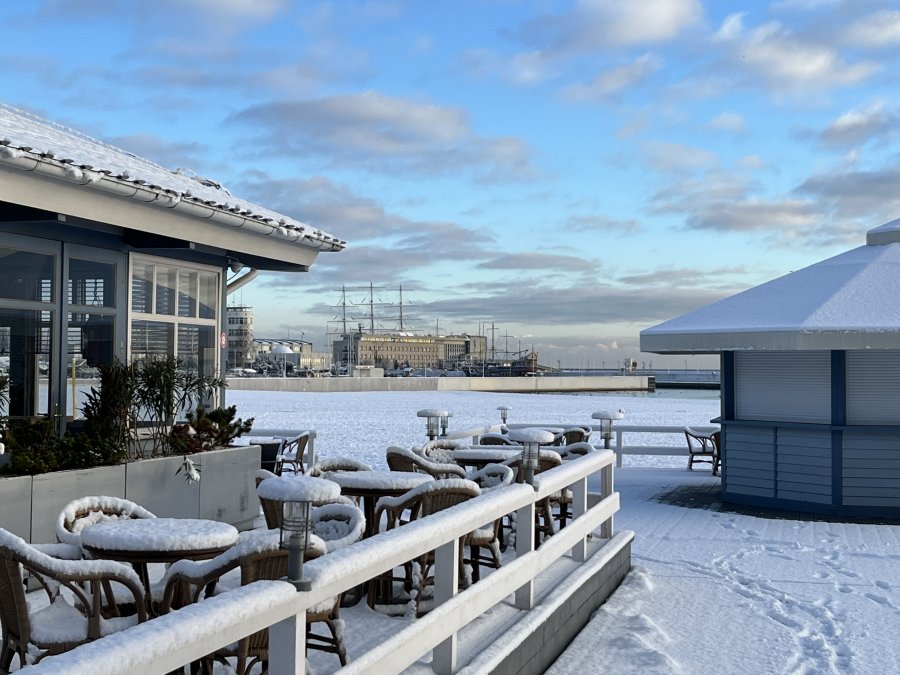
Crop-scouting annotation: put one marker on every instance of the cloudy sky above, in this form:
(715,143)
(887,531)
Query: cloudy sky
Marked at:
(572,171)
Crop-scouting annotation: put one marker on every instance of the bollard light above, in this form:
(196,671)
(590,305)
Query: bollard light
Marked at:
(445,422)
(504,412)
(294,537)
(531,440)
(606,418)
(432,421)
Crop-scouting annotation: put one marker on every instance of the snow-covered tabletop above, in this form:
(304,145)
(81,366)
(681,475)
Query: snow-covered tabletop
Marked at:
(542,435)
(384,482)
(299,489)
(162,539)
(484,455)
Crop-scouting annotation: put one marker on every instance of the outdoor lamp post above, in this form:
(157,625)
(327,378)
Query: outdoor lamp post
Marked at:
(445,422)
(294,536)
(531,440)
(432,421)
(504,412)
(606,418)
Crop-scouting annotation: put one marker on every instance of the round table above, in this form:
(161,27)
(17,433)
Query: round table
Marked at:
(481,456)
(141,541)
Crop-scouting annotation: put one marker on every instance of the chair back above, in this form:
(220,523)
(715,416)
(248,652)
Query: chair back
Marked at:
(494,439)
(401,459)
(338,525)
(492,476)
(292,453)
(13,606)
(574,435)
(86,511)
(442,494)
(337,464)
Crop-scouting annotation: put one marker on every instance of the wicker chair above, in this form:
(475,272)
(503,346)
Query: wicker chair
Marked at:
(401,459)
(576,435)
(291,455)
(484,543)
(495,439)
(543,513)
(337,464)
(421,501)
(257,558)
(87,511)
(701,449)
(90,618)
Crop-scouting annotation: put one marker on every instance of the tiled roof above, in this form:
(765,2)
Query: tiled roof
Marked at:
(32,143)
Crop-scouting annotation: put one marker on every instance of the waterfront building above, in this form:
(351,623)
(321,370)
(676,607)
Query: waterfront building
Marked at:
(404,350)
(110,256)
(810,368)
(241,349)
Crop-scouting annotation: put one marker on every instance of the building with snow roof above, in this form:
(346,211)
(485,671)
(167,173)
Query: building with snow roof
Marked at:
(810,382)
(107,255)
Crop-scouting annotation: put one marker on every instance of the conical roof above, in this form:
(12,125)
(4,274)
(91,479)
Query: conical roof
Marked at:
(850,301)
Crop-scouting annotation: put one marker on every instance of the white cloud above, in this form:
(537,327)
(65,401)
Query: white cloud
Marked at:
(729,121)
(665,156)
(611,82)
(859,125)
(238,10)
(594,25)
(880,29)
(784,60)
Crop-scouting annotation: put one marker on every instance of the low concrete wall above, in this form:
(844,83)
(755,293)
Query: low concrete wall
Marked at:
(523,385)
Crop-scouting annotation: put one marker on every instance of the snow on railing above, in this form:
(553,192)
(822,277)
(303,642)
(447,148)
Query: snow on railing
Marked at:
(171,641)
(677,447)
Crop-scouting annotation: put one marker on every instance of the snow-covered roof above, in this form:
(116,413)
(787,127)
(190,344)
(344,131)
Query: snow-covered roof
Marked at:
(845,302)
(32,144)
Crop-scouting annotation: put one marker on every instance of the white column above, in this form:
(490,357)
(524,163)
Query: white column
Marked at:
(287,645)
(579,507)
(525,544)
(446,584)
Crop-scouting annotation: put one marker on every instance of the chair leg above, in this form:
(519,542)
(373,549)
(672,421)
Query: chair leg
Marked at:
(7,656)
(338,641)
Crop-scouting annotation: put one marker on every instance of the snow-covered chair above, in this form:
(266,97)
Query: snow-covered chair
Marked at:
(701,448)
(401,459)
(291,454)
(576,434)
(421,502)
(60,626)
(256,558)
(338,525)
(484,543)
(333,464)
(493,438)
(86,511)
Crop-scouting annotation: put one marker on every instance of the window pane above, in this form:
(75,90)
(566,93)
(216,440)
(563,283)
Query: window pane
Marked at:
(25,275)
(209,286)
(91,340)
(166,278)
(187,293)
(92,283)
(197,348)
(142,288)
(25,356)
(151,337)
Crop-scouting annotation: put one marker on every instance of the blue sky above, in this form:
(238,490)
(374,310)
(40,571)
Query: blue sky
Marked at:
(572,171)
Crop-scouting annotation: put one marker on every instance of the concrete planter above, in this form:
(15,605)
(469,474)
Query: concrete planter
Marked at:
(29,505)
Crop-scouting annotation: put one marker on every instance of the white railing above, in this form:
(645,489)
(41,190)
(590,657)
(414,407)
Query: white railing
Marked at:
(677,447)
(171,641)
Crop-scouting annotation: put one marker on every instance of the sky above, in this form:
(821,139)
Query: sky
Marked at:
(569,173)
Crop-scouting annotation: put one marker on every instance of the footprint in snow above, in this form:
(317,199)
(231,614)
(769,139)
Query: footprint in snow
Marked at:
(883,585)
(751,533)
(880,599)
(844,588)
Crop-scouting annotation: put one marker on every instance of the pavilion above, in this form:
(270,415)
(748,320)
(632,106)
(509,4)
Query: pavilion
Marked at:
(810,368)
(107,255)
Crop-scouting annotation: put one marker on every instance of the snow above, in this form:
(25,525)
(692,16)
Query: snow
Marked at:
(543,436)
(710,591)
(299,489)
(379,480)
(86,511)
(159,534)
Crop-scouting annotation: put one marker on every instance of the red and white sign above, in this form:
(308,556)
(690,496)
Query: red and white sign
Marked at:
(223,340)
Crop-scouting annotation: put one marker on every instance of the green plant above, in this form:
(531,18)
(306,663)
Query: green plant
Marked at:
(164,389)
(207,430)
(109,411)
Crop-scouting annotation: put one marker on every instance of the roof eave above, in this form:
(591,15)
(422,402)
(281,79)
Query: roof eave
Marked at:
(710,342)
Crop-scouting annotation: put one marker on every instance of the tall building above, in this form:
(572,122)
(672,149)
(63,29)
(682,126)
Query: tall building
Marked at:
(241,350)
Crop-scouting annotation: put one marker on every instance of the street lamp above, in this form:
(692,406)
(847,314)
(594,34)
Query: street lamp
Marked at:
(531,440)
(606,418)
(432,421)
(445,422)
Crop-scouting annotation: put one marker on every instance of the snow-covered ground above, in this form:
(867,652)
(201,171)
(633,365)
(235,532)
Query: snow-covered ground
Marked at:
(710,592)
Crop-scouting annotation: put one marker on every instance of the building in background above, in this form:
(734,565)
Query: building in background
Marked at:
(241,350)
(403,350)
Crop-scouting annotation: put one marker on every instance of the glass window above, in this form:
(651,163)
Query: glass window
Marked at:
(91,343)
(166,281)
(209,293)
(197,348)
(152,337)
(187,293)
(91,283)
(25,344)
(142,288)
(25,275)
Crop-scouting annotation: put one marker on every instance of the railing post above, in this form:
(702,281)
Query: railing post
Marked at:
(311,449)
(618,449)
(446,584)
(524,545)
(579,507)
(606,489)
(287,645)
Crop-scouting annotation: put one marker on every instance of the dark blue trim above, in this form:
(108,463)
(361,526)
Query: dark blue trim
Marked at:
(727,376)
(838,418)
